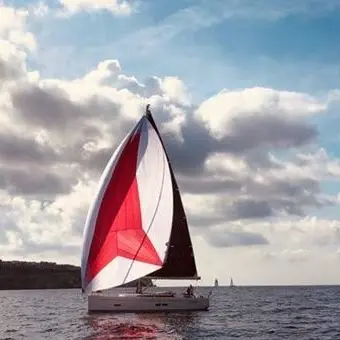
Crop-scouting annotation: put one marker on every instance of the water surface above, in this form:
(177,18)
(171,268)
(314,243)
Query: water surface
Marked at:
(236,313)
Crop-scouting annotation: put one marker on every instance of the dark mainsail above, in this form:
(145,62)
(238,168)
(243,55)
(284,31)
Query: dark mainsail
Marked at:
(180,260)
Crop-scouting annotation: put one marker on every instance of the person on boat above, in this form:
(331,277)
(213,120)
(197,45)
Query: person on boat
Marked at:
(190,291)
(139,287)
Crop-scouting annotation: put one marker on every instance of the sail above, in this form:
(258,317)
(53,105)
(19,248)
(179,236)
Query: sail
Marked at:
(129,223)
(180,259)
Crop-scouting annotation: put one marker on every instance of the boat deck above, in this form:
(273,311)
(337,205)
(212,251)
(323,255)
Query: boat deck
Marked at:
(161,294)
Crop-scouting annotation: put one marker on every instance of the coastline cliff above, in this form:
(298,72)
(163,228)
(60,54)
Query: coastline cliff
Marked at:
(44,275)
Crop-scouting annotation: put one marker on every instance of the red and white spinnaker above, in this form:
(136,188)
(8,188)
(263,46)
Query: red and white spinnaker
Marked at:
(128,225)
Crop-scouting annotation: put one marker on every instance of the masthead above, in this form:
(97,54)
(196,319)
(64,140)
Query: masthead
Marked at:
(147,110)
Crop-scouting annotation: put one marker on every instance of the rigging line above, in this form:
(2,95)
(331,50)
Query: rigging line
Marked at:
(151,222)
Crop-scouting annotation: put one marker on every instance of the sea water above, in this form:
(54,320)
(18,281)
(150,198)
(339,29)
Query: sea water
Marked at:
(235,313)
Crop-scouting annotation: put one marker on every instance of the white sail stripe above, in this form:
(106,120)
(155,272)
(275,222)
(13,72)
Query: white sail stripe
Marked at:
(110,276)
(92,215)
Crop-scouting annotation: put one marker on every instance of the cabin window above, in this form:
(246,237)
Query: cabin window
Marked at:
(117,305)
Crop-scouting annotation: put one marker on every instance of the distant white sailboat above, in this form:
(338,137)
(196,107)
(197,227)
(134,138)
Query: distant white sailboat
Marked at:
(216,282)
(137,227)
(232,282)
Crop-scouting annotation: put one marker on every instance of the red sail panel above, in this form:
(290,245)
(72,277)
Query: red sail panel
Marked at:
(118,229)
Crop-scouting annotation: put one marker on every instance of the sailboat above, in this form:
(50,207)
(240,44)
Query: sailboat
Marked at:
(232,282)
(136,227)
(216,282)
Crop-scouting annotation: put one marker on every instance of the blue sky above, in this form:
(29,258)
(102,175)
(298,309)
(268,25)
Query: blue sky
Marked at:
(211,45)
(297,50)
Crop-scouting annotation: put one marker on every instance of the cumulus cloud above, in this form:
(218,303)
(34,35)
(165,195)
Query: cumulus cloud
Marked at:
(306,236)
(227,238)
(247,160)
(12,27)
(276,115)
(121,7)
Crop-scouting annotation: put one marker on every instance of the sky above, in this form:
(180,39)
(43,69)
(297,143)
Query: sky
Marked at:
(246,95)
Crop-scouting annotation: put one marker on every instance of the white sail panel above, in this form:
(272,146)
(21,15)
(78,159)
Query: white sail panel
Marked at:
(130,221)
(155,194)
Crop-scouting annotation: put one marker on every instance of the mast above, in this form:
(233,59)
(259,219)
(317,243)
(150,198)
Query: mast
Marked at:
(180,260)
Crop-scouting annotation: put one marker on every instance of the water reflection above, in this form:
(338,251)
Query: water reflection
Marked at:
(140,326)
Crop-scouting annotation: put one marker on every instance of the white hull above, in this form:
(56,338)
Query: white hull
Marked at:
(145,303)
